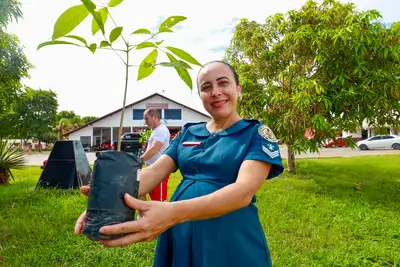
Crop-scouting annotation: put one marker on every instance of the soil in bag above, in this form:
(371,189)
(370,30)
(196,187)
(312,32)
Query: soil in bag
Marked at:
(115,173)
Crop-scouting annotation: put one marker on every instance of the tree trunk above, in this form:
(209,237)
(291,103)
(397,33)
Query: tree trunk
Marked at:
(40,146)
(290,152)
(3,177)
(291,159)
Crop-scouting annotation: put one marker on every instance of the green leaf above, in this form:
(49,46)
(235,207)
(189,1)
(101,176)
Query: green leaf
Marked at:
(114,3)
(145,45)
(55,42)
(170,22)
(115,33)
(69,20)
(104,44)
(183,73)
(141,31)
(90,6)
(184,55)
(104,15)
(146,67)
(80,39)
(179,64)
(158,43)
(165,30)
(93,47)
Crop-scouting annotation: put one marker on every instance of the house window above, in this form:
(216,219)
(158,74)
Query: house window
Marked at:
(160,112)
(173,114)
(138,114)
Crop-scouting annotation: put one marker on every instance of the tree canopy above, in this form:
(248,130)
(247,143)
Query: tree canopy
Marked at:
(35,113)
(322,69)
(14,65)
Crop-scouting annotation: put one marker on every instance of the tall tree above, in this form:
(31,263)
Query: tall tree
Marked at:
(36,113)
(87,119)
(322,69)
(65,114)
(10,11)
(14,65)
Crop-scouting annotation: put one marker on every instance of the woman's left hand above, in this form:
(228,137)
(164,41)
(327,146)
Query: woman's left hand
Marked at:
(155,218)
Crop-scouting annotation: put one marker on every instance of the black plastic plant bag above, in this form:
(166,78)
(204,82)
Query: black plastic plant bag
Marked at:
(115,173)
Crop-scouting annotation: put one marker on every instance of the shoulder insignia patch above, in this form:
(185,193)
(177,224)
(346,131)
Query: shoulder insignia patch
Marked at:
(265,132)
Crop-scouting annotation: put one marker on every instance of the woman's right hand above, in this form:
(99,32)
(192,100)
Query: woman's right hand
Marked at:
(81,220)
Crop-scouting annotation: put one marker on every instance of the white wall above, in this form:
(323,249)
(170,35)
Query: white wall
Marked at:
(354,135)
(87,131)
(187,115)
(114,120)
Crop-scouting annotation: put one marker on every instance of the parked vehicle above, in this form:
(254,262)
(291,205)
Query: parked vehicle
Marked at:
(380,142)
(130,142)
(338,142)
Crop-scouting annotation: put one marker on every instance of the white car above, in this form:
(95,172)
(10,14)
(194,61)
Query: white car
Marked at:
(380,141)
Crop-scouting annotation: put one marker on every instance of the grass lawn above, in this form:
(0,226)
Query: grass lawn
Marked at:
(333,212)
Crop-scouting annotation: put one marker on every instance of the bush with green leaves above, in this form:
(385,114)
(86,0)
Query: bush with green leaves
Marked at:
(10,158)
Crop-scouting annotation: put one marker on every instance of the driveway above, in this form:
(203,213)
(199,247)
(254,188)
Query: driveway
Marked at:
(37,159)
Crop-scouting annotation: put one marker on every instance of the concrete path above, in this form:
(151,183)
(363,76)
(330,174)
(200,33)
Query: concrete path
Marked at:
(37,159)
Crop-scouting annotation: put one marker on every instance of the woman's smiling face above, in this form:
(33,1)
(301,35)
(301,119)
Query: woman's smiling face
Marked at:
(218,90)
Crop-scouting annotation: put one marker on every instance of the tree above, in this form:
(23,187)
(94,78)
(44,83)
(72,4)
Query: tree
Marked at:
(68,121)
(87,119)
(322,69)
(100,14)
(10,10)
(14,65)
(35,114)
(65,114)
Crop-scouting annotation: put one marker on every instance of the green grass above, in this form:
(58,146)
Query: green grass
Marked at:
(333,212)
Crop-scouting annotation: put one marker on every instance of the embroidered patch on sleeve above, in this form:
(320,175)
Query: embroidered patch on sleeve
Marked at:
(271,154)
(265,132)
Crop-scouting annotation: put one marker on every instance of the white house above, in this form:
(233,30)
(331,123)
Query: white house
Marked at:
(104,129)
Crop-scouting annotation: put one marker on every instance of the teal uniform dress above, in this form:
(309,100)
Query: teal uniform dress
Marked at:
(209,162)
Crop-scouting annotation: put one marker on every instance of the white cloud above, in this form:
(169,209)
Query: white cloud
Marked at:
(93,84)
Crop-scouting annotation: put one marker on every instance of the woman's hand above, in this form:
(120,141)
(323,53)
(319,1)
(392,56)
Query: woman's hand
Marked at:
(81,220)
(156,217)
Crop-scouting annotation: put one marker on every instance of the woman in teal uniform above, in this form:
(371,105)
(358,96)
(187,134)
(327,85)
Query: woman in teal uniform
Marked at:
(212,219)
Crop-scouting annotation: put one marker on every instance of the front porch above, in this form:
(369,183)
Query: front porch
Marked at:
(107,135)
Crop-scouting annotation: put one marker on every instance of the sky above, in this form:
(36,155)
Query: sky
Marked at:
(93,84)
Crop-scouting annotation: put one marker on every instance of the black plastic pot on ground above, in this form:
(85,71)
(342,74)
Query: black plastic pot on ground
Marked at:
(115,173)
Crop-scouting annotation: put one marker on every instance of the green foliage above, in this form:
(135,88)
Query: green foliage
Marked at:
(35,113)
(147,66)
(87,119)
(333,212)
(114,3)
(115,33)
(10,10)
(145,134)
(75,15)
(14,65)
(10,158)
(69,20)
(103,12)
(325,69)
(66,121)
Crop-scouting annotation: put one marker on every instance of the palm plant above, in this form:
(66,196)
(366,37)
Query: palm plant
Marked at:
(9,159)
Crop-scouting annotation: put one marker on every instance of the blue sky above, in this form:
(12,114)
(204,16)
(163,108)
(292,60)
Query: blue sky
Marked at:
(93,84)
